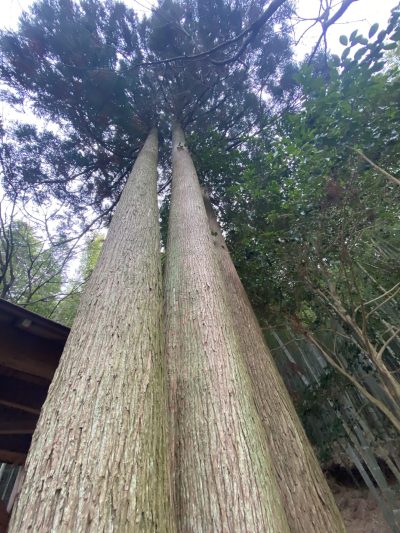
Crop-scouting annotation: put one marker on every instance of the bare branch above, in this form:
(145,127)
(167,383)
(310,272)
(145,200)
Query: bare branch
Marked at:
(386,343)
(375,401)
(390,177)
(326,23)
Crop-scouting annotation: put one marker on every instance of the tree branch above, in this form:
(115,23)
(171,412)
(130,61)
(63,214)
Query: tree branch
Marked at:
(327,23)
(253,29)
(390,177)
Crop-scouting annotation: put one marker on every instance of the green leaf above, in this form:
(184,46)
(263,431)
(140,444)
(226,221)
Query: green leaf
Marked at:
(390,46)
(382,35)
(353,35)
(358,55)
(390,28)
(374,28)
(343,40)
(345,53)
(395,36)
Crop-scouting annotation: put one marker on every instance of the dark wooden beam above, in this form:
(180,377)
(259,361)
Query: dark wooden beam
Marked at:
(12,458)
(13,422)
(22,396)
(27,353)
(23,376)
(17,428)
(14,448)
(4,517)
(17,316)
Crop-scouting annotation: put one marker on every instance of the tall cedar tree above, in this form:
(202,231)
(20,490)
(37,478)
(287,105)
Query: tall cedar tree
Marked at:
(99,456)
(219,441)
(300,479)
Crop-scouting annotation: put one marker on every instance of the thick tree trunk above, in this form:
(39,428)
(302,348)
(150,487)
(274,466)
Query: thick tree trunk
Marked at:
(98,461)
(309,504)
(224,479)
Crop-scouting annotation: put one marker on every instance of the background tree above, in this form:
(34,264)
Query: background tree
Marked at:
(109,440)
(31,271)
(67,305)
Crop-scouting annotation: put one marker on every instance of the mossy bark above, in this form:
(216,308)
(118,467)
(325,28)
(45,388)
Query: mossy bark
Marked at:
(99,456)
(223,476)
(309,504)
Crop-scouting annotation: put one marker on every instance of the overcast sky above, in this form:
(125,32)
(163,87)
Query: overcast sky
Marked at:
(362,14)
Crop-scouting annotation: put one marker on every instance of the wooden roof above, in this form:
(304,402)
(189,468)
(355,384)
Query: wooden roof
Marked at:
(30,349)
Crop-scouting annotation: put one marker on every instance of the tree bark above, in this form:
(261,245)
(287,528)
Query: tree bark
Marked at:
(224,479)
(309,504)
(99,456)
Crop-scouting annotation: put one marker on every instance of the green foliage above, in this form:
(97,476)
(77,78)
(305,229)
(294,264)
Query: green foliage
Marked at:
(72,64)
(91,255)
(308,220)
(67,306)
(30,273)
(292,197)
(323,430)
(371,52)
(79,66)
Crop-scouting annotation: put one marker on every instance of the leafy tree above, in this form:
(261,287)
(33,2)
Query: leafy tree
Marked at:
(312,206)
(76,54)
(30,272)
(66,307)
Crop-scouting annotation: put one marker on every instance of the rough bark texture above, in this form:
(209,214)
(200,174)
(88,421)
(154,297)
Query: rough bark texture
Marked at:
(98,461)
(309,503)
(224,479)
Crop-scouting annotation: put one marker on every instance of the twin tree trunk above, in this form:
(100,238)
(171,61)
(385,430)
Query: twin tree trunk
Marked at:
(230,453)
(308,501)
(223,474)
(99,456)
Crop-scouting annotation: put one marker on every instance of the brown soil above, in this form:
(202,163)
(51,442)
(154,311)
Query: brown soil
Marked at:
(359,509)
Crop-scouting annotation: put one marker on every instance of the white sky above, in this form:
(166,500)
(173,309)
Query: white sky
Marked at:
(362,14)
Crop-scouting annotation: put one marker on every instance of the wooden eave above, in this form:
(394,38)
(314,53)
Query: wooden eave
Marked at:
(30,350)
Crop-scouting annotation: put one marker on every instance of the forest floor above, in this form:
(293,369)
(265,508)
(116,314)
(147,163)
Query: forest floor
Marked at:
(359,509)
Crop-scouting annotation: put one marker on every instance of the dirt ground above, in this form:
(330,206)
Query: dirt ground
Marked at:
(359,509)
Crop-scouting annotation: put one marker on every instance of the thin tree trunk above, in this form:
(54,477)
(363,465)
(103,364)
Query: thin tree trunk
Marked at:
(309,504)
(224,479)
(98,461)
